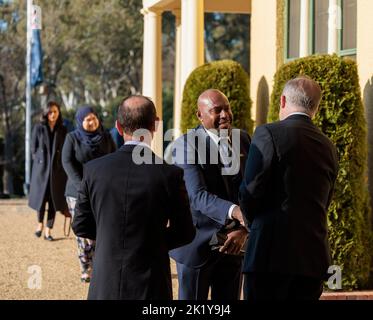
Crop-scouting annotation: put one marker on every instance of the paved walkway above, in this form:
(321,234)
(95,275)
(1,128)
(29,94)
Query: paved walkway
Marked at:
(23,257)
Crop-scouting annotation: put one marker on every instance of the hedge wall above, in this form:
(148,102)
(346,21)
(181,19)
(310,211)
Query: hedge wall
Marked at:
(227,76)
(341,118)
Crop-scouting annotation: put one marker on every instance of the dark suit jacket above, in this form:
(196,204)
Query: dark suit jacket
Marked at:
(126,208)
(288,184)
(211,194)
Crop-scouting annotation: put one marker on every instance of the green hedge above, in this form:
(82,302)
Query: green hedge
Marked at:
(341,118)
(227,76)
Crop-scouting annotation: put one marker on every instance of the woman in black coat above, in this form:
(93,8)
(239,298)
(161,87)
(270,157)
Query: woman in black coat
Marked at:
(48,177)
(89,141)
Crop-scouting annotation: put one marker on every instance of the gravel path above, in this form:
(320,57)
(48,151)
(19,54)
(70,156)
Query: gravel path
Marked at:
(23,257)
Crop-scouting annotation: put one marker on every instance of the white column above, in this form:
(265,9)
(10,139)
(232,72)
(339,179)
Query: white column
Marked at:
(177,87)
(152,69)
(263,52)
(304,28)
(334,23)
(192,40)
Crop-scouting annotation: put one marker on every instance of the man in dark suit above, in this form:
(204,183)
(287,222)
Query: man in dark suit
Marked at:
(136,212)
(287,188)
(212,184)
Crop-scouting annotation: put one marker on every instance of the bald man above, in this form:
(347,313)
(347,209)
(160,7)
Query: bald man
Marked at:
(212,184)
(285,195)
(137,212)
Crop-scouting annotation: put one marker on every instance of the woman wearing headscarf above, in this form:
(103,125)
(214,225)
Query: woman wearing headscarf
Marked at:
(88,141)
(48,177)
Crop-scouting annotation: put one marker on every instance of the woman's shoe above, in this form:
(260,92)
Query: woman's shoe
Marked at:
(85,278)
(49,238)
(38,234)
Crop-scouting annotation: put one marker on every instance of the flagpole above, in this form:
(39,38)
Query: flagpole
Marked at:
(28,101)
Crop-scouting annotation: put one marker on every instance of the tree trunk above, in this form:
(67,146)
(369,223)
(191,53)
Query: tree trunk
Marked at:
(8,186)
(8,143)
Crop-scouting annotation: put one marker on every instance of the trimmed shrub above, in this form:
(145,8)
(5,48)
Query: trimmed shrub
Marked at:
(227,76)
(341,118)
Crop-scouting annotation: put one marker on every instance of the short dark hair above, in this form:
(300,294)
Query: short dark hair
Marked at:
(136,112)
(44,115)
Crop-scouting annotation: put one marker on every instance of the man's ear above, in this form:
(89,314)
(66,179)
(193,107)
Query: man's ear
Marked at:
(199,116)
(156,124)
(282,102)
(119,127)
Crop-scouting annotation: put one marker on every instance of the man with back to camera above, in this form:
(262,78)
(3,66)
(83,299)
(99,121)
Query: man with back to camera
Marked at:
(285,194)
(213,195)
(136,213)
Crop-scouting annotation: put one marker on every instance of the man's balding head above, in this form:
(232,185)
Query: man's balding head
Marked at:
(137,112)
(214,110)
(301,94)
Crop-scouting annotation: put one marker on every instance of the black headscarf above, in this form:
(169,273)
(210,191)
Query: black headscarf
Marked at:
(89,138)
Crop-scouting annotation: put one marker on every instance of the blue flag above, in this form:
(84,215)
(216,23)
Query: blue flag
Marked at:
(36,59)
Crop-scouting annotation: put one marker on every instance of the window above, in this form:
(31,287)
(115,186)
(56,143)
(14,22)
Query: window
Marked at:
(293,28)
(320,26)
(347,44)
(318,29)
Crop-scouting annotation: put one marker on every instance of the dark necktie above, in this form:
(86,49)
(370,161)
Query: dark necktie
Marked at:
(225,151)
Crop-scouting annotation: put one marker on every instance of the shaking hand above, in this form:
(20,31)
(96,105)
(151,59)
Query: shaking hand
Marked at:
(235,241)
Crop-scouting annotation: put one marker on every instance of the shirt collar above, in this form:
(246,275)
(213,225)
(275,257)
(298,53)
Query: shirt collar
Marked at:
(136,143)
(299,113)
(215,137)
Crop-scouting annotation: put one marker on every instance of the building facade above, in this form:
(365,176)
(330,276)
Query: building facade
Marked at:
(280,30)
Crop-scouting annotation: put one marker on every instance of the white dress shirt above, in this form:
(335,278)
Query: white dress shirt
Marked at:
(136,143)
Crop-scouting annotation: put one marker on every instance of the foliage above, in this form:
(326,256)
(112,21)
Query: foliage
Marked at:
(227,76)
(12,84)
(92,54)
(227,37)
(167,108)
(96,47)
(341,118)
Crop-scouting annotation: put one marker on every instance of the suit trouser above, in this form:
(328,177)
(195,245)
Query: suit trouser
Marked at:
(273,286)
(51,210)
(221,272)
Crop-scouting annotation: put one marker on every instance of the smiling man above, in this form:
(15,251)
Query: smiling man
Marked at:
(213,199)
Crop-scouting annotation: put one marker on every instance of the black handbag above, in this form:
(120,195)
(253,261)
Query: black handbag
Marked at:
(218,238)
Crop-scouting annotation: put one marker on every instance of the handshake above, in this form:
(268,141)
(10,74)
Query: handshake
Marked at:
(232,237)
